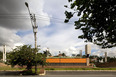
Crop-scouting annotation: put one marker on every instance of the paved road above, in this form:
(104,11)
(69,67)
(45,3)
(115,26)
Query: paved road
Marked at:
(79,76)
(81,73)
(67,74)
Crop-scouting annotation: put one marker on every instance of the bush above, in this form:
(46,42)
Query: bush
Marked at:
(109,64)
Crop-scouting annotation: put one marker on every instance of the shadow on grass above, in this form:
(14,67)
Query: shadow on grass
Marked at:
(27,72)
(17,73)
(4,73)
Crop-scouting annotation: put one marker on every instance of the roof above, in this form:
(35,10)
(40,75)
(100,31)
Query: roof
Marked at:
(63,57)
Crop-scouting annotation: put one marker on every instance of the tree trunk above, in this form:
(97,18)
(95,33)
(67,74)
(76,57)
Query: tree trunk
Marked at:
(29,66)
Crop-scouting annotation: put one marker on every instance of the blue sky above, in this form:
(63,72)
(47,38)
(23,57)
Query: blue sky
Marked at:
(53,33)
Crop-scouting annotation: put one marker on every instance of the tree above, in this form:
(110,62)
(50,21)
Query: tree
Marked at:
(47,53)
(77,55)
(111,59)
(84,56)
(63,54)
(42,59)
(97,20)
(1,55)
(24,55)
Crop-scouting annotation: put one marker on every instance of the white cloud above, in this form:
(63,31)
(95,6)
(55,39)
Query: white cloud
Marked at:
(8,38)
(52,32)
(62,39)
(59,36)
(14,17)
(111,52)
(37,7)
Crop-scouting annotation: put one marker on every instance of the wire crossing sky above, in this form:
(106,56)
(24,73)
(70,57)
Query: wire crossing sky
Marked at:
(53,33)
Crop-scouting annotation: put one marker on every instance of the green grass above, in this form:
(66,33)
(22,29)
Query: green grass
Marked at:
(38,70)
(80,69)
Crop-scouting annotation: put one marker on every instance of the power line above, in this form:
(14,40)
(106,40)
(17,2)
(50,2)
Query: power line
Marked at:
(26,16)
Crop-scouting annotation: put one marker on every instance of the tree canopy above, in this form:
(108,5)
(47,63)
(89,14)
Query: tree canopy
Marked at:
(63,54)
(96,19)
(47,53)
(25,56)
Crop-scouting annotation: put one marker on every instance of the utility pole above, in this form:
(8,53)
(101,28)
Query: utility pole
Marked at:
(34,26)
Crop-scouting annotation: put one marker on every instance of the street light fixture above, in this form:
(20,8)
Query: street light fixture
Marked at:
(34,26)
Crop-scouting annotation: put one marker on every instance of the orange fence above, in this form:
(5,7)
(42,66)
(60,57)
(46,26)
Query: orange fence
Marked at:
(66,60)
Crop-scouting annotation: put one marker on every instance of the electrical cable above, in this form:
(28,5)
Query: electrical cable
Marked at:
(26,16)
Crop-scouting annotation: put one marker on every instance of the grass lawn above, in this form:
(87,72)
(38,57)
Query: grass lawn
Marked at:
(80,68)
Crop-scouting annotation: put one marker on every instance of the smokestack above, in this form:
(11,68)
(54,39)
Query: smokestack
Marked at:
(87,52)
(88,49)
(4,53)
(105,56)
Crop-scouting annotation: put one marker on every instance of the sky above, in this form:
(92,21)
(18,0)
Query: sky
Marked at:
(53,33)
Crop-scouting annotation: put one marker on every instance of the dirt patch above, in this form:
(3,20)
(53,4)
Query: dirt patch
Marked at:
(3,65)
(68,67)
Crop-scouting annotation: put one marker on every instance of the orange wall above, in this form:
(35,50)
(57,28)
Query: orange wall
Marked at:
(66,60)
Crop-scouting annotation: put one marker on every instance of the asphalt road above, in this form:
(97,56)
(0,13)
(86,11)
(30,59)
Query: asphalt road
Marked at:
(81,73)
(79,76)
(65,74)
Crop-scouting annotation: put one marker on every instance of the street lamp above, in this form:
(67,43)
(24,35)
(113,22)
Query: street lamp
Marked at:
(34,26)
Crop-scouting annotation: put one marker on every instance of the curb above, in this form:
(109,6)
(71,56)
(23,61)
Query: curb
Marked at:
(43,73)
(86,70)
